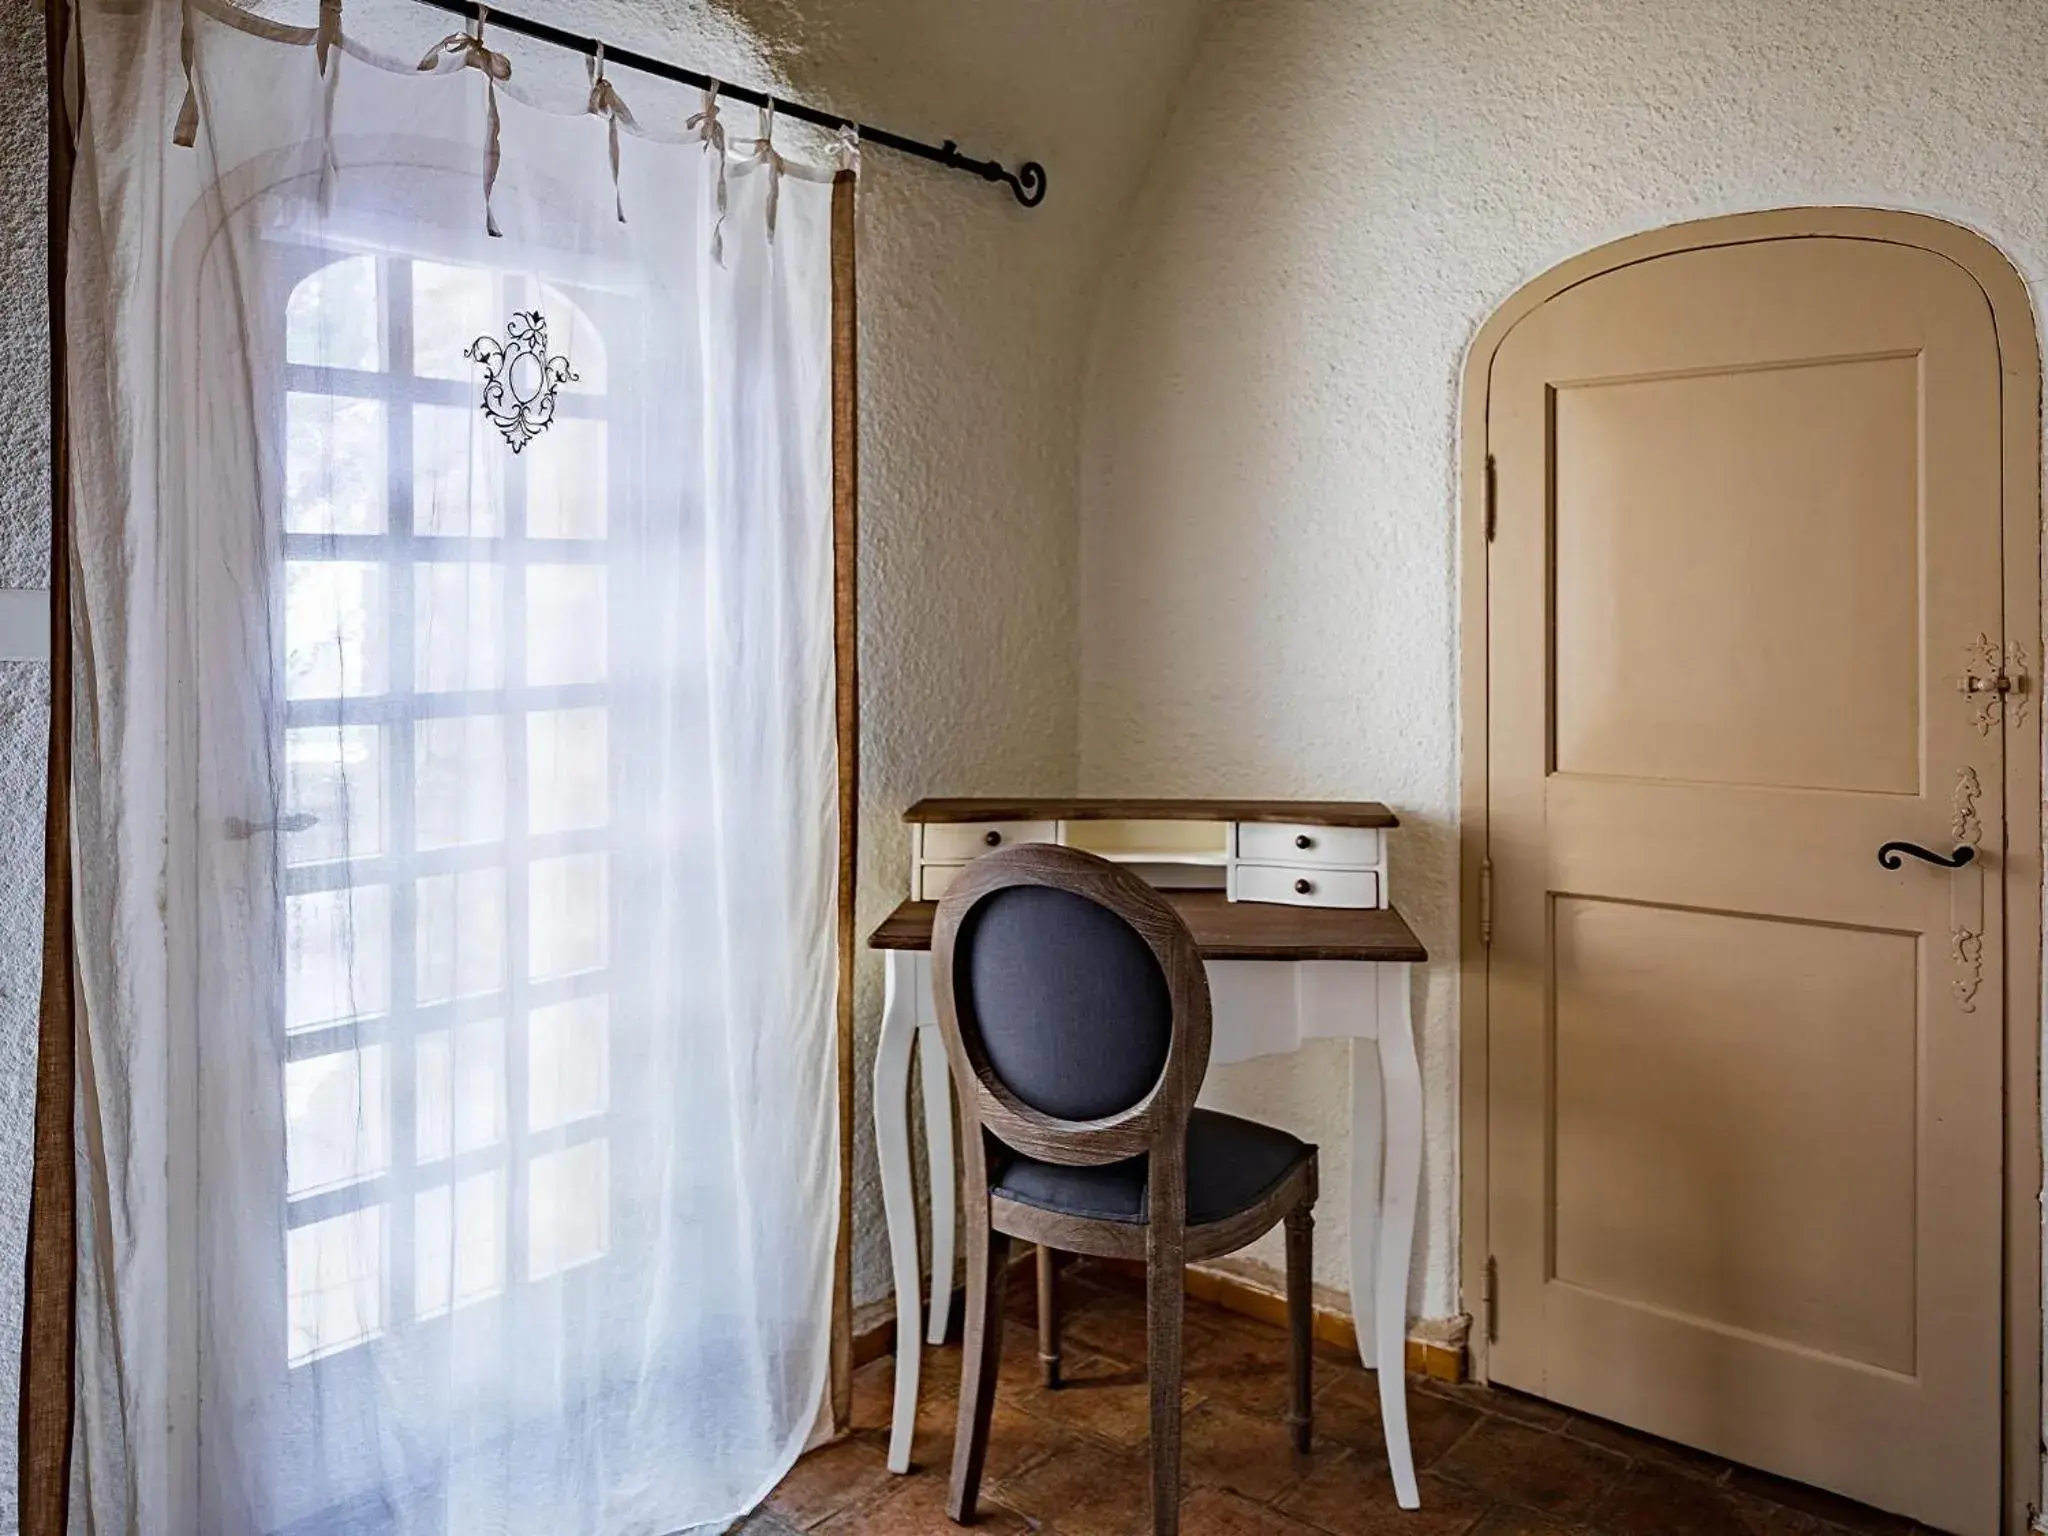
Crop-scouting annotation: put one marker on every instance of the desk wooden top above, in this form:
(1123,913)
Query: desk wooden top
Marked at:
(1232,930)
(1317,813)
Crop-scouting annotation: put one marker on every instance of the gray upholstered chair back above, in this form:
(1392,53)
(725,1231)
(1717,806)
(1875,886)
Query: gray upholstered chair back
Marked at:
(1065,999)
(1074,1004)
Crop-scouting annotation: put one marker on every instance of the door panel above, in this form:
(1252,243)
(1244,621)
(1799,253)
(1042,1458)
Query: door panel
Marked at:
(1812,472)
(1744,1084)
(1733,1140)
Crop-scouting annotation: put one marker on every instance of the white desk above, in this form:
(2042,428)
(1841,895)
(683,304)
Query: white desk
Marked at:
(1284,969)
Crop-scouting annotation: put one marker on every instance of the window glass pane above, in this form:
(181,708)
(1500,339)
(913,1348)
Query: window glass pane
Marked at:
(568,1211)
(334,773)
(333,320)
(460,934)
(567,919)
(458,627)
(335,640)
(459,780)
(567,783)
(461,1094)
(451,307)
(337,955)
(459,1243)
(458,473)
(337,1119)
(566,480)
(568,1053)
(565,624)
(334,1283)
(333,465)
(571,335)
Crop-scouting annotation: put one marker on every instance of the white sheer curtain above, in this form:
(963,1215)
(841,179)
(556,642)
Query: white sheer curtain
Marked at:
(456,823)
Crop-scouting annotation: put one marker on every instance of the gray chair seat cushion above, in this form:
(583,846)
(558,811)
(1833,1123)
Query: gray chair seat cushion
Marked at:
(1232,1165)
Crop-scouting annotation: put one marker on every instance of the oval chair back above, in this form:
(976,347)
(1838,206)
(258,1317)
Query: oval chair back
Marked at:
(1074,1006)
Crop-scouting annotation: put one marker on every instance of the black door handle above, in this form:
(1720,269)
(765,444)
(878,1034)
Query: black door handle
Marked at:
(1888,856)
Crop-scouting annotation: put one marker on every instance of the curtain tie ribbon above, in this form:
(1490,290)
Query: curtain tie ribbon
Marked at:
(469,52)
(328,37)
(710,131)
(605,103)
(765,153)
(186,133)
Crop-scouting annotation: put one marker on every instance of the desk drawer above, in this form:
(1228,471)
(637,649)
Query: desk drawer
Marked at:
(1297,886)
(932,879)
(955,842)
(1277,842)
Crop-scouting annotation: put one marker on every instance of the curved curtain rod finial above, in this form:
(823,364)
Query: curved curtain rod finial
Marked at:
(1028,185)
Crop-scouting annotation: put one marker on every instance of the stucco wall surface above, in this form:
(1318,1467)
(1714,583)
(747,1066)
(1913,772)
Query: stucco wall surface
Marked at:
(1268,497)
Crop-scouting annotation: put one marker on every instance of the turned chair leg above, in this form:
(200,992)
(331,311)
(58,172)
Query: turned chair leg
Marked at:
(1301,1225)
(1165,1299)
(987,1254)
(1048,1316)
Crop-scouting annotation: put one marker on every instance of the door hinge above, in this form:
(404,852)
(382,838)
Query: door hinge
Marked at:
(1486,902)
(1492,498)
(1489,1299)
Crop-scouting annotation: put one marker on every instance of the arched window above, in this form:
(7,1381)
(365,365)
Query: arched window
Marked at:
(446,767)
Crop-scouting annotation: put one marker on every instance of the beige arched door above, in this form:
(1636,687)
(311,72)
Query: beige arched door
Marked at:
(1745,1085)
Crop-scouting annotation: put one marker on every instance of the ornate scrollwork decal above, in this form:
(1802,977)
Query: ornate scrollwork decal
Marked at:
(520,379)
(1995,682)
(1979,682)
(1967,826)
(1966,949)
(1965,943)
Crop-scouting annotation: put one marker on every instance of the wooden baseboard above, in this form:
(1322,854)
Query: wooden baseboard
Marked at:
(1438,1359)
(873,1343)
(1438,1354)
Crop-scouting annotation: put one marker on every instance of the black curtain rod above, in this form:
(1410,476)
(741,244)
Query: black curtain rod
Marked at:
(1027,183)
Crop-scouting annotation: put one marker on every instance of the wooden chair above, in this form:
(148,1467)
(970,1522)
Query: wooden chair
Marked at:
(1075,1011)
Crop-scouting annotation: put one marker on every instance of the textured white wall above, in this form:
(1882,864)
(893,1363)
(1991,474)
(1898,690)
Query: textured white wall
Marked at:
(1348,188)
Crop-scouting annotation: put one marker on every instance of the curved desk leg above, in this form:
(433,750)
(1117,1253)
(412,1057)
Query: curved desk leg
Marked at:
(1368,1152)
(1400,1186)
(899,1203)
(938,1140)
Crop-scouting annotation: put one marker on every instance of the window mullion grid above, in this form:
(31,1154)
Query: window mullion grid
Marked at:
(400,747)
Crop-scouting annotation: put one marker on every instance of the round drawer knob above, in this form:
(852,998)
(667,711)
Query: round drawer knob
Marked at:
(1304,887)
(1303,840)
(993,838)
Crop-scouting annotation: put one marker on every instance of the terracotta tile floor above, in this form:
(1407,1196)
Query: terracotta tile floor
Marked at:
(1073,1463)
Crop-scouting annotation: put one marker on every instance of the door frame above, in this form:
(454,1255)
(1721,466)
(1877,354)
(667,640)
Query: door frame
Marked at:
(2020,429)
